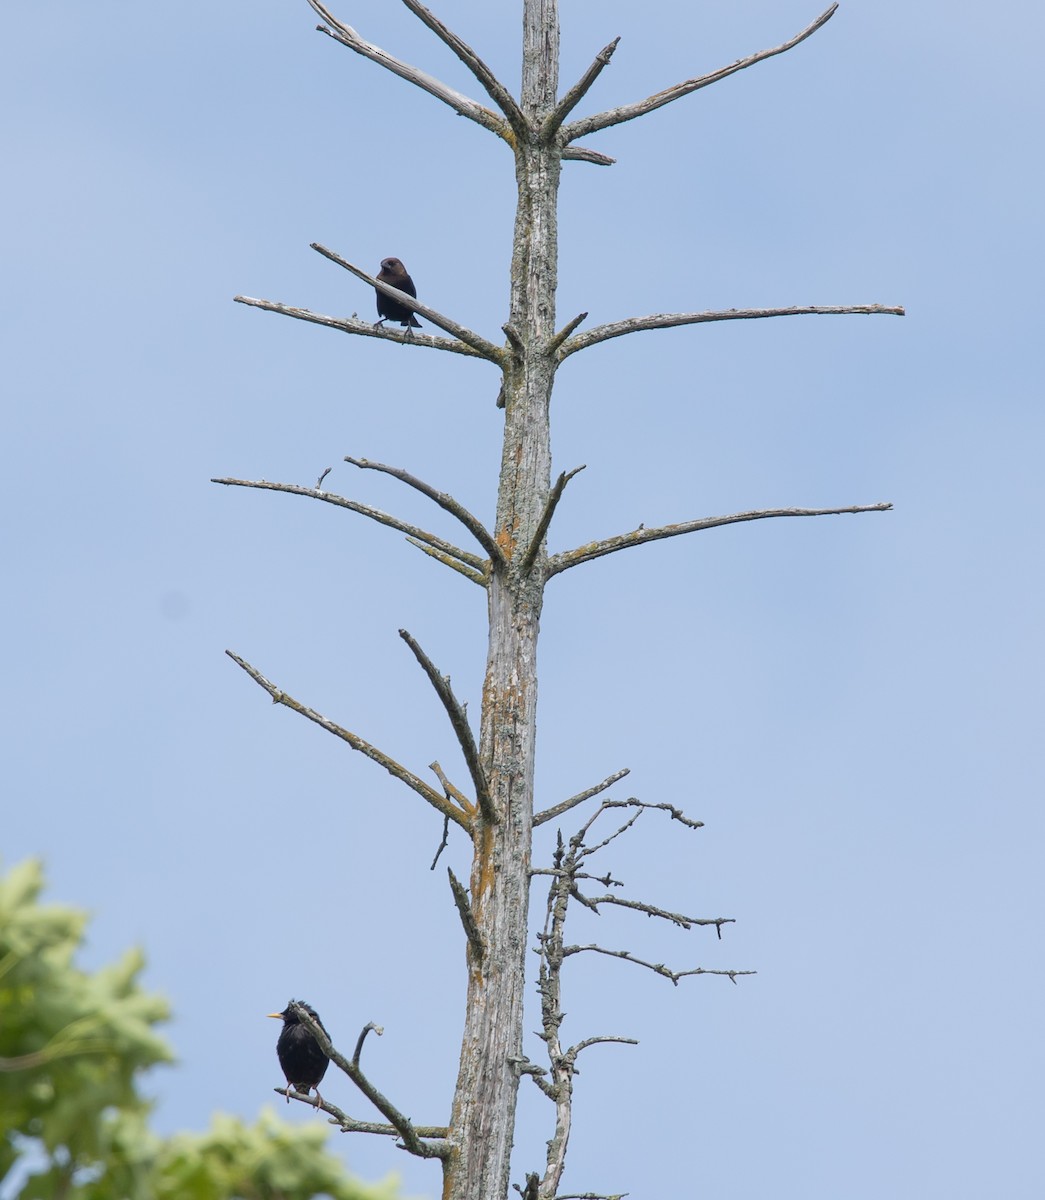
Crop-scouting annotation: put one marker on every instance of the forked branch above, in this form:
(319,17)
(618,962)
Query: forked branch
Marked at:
(567,875)
(463,105)
(480,345)
(638,537)
(471,566)
(615,329)
(402,1124)
(628,112)
(440,803)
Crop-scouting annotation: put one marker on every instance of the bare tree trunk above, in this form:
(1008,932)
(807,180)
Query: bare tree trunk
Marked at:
(483,1116)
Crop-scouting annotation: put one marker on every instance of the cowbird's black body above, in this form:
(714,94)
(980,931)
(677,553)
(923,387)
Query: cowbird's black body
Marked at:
(303,1063)
(394,273)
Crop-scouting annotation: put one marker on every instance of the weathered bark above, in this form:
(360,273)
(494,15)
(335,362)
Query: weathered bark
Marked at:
(483,1115)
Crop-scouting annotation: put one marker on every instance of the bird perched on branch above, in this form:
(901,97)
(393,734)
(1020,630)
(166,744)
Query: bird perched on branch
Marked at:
(303,1062)
(394,274)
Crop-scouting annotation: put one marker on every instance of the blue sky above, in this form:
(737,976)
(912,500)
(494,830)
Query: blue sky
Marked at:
(853,705)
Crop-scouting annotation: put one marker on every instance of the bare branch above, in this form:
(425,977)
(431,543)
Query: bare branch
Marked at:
(638,537)
(480,345)
(603,333)
(459,721)
(549,814)
(628,112)
(576,93)
(657,968)
(676,814)
(440,803)
(378,1029)
(598,1041)
(591,1195)
(403,1125)
(363,328)
(445,501)
(443,844)
(683,922)
(413,532)
(475,576)
(496,90)
(463,105)
(323,474)
(351,1125)
(554,496)
(464,908)
(452,793)
(564,333)
(516,342)
(581,154)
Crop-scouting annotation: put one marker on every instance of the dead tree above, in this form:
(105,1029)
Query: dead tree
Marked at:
(512,564)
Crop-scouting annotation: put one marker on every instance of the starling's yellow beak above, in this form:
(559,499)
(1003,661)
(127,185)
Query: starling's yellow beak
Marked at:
(278,1016)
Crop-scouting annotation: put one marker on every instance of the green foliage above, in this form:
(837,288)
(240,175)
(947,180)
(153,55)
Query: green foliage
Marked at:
(73,1045)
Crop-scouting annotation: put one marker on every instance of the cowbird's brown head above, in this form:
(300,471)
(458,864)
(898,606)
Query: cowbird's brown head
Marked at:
(393,266)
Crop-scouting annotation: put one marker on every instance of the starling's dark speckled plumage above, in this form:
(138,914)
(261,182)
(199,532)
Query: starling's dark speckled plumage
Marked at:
(303,1063)
(394,274)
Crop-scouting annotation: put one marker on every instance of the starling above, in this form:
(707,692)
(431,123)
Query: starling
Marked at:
(394,273)
(303,1063)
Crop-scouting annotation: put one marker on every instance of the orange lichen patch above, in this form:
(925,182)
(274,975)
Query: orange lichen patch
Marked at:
(484,856)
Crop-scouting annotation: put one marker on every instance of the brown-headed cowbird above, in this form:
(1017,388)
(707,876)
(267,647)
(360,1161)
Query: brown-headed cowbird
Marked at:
(394,273)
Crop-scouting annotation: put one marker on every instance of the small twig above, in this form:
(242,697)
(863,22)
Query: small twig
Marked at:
(319,481)
(357,743)
(443,843)
(403,1125)
(378,1029)
(479,344)
(639,537)
(361,328)
(657,968)
(576,93)
(452,793)
(463,105)
(375,514)
(554,496)
(628,112)
(445,501)
(577,841)
(461,727)
(514,338)
(564,332)
(549,814)
(615,329)
(582,154)
(464,908)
